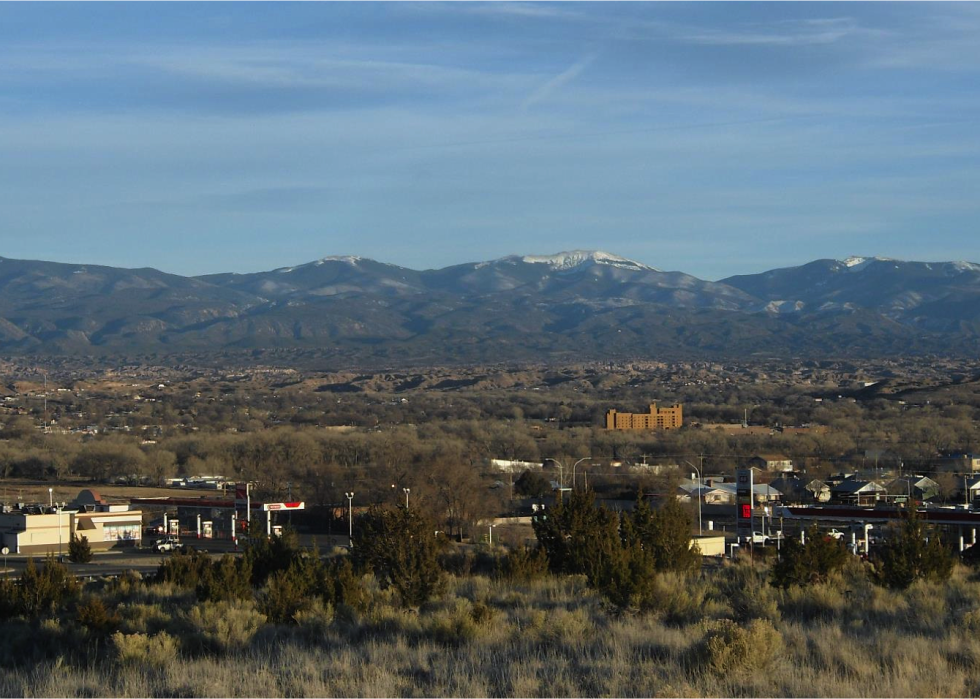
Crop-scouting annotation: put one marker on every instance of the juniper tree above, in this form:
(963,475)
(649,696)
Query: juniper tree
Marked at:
(79,550)
(812,562)
(401,547)
(907,556)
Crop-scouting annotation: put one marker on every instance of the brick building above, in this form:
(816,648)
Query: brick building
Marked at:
(657,419)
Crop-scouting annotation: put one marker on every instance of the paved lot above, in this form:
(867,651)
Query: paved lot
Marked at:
(115,562)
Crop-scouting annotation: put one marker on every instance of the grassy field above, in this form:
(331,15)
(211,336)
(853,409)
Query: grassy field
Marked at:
(725,632)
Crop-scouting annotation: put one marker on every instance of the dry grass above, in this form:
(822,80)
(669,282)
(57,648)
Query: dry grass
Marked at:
(726,634)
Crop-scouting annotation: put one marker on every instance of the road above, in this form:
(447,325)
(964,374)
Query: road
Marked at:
(146,561)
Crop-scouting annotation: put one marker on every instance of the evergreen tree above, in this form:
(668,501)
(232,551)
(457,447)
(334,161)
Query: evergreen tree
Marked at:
(401,548)
(906,555)
(44,590)
(226,579)
(79,550)
(532,485)
(812,562)
(619,554)
(665,532)
(268,555)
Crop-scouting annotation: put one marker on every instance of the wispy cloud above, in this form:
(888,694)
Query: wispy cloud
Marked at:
(544,91)
(539,10)
(783,33)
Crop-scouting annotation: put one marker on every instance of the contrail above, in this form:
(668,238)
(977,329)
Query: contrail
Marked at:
(559,80)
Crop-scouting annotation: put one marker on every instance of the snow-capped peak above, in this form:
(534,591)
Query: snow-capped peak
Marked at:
(349,259)
(576,258)
(963,266)
(856,264)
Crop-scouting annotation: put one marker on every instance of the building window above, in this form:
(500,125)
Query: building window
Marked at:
(121,532)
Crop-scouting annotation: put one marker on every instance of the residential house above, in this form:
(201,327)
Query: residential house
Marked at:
(857,492)
(724,493)
(918,487)
(796,490)
(771,462)
(972,489)
(792,488)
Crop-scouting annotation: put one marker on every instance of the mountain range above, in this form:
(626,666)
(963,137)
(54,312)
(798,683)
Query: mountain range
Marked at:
(572,305)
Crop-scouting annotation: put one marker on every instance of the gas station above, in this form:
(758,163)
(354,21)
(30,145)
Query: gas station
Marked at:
(213,518)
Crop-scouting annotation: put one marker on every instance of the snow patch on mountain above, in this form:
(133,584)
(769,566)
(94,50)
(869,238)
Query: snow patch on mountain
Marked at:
(963,266)
(777,307)
(856,264)
(563,261)
(349,259)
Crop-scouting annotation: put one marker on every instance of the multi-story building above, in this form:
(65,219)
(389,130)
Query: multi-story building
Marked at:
(657,419)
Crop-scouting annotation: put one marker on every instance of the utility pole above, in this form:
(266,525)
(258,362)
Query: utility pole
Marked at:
(350,506)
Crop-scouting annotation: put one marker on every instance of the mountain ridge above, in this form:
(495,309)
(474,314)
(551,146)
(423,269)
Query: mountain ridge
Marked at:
(519,306)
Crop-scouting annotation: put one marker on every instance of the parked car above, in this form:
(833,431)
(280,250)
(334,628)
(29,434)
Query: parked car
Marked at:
(760,538)
(164,545)
(836,534)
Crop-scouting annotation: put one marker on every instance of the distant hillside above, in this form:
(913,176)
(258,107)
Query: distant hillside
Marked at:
(579,304)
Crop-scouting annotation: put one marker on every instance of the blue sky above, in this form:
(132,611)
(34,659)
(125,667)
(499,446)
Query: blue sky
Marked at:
(715,139)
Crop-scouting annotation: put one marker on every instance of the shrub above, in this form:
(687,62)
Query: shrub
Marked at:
(314,620)
(824,600)
(79,550)
(460,624)
(184,568)
(226,579)
(268,555)
(569,627)
(728,647)
(127,584)
(745,587)
(140,649)
(677,598)
(284,597)
(93,615)
(906,556)
(224,626)
(342,586)
(143,618)
(809,563)
(9,599)
(524,564)
(45,590)
(459,562)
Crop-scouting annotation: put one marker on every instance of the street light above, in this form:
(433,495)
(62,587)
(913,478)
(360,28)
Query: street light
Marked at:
(50,497)
(561,471)
(573,469)
(698,471)
(350,509)
(407,491)
(60,556)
